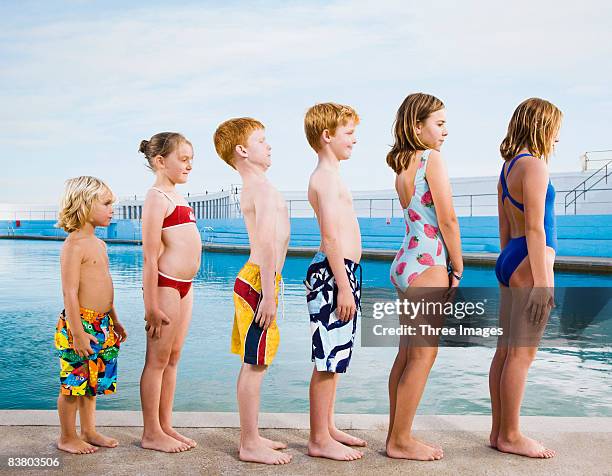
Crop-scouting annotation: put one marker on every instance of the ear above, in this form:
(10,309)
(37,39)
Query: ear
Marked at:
(418,127)
(326,136)
(241,151)
(158,162)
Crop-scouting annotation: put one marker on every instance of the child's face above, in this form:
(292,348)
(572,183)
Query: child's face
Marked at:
(258,150)
(102,209)
(177,165)
(343,140)
(432,131)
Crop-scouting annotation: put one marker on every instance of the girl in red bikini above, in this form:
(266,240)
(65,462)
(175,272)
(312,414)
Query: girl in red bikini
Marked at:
(172,249)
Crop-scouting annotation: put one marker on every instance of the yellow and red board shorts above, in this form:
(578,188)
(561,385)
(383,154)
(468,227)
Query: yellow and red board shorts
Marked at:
(255,345)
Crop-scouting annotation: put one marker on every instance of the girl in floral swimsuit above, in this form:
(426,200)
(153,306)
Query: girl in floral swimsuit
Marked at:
(431,247)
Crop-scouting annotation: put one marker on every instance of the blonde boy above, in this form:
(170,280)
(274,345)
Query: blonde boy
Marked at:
(88,332)
(333,291)
(241,143)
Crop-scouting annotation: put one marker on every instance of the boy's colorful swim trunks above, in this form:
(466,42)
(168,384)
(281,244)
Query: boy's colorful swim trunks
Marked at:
(332,339)
(255,345)
(97,373)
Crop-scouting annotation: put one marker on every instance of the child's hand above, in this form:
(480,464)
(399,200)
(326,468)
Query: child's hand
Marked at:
(345,306)
(82,344)
(120,331)
(265,312)
(155,320)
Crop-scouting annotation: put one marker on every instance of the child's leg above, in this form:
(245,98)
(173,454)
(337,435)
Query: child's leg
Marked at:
(69,441)
(321,444)
(394,377)
(252,446)
(495,373)
(335,433)
(87,413)
(169,376)
(497,364)
(156,361)
(514,378)
(512,389)
(401,443)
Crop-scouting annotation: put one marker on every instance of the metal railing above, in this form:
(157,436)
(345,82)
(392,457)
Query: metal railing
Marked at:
(580,190)
(474,204)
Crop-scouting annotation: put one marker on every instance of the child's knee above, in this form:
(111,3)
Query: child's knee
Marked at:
(158,360)
(423,354)
(523,355)
(173,358)
(68,399)
(501,353)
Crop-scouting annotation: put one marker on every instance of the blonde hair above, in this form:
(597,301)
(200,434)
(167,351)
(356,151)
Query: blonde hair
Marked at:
(416,108)
(231,133)
(162,143)
(78,199)
(534,126)
(327,115)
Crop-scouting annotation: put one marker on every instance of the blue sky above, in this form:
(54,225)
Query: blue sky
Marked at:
(83,82)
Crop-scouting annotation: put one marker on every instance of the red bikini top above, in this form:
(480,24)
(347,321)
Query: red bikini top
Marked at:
(181,215)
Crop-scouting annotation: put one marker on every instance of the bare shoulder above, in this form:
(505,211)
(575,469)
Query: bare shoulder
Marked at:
(74,249)
(435,159)
(265,195)
(534,166)
(72,245)
(155,198)
(102,243)
(323,180)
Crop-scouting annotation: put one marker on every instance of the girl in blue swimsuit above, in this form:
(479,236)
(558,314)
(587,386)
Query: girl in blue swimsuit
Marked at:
(528,240)
(431,244)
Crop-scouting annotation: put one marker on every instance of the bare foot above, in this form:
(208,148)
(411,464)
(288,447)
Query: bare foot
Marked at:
(99,439)
(333,449)
(182,438)
(76,446)
(525,447)
(275,445)
(431,445)
(259,452)
(414,449)
(164,443)
(493,439)
(345,438)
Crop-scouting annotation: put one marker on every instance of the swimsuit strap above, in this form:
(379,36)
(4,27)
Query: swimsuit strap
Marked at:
(502,178)
(420,173)
(164,194)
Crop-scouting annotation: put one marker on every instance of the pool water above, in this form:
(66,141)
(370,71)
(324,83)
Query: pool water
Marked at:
(562,381)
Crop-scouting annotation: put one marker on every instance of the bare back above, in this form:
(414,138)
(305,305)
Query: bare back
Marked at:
(327,184)
(276,202)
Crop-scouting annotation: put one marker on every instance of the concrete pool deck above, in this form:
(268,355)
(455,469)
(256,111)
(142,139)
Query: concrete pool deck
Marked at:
(582,445)
(583,264)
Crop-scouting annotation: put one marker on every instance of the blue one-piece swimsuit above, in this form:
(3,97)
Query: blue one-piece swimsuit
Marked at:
(516,249)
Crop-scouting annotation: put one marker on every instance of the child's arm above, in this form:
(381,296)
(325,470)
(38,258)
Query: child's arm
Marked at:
(327,192)
(504,224)
(265,232)
(119,329)
(153,212)
(535,184)
(70,261)
(439,184)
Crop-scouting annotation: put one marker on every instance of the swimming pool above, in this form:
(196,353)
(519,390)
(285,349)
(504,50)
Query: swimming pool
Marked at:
(562,382)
